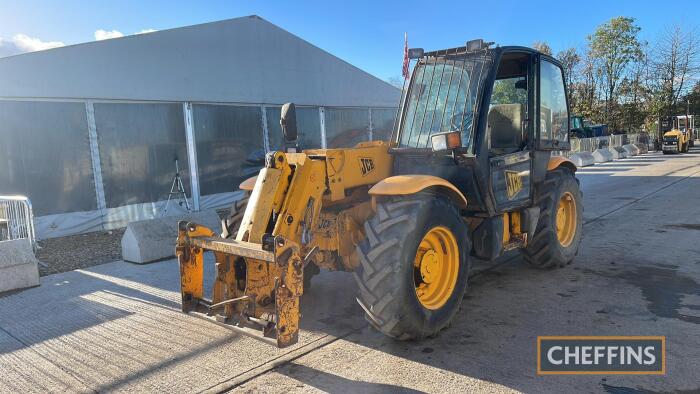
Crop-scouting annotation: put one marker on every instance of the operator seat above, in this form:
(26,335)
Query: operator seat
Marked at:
(505,128)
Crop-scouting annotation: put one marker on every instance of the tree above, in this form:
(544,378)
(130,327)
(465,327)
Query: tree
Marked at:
(505,92)
(633,110)
(676,62)
(542,47)
(694,97)
(614,45)
(585,89)
(570,59)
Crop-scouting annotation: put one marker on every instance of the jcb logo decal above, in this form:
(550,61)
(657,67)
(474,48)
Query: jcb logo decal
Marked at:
(366,165)
(514,183)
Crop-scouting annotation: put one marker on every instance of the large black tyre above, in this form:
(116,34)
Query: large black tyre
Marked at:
(387,277)
(230,225)
(545,250)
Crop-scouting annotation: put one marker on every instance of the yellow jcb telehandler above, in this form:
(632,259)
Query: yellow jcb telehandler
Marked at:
(676,136)
(467,174)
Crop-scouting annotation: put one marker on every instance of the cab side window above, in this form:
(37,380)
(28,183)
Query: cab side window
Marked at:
(507,116)
(554,115)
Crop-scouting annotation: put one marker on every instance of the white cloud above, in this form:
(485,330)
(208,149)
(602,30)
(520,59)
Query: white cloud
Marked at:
(106,35)
(21,43)
(29,44)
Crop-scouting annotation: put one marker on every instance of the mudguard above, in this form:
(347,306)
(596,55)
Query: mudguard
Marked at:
(248,184)
(402,185)
(560,161)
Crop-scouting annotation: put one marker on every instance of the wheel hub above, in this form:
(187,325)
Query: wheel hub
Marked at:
(566,219)
(429,266)
(436,267)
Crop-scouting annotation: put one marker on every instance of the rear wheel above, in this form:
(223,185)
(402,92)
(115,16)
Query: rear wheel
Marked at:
(414,266)
(559,227)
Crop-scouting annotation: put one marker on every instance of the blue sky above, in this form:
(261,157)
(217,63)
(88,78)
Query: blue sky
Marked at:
(368,34)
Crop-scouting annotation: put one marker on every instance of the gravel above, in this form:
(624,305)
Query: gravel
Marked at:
(83,250)
(79,251)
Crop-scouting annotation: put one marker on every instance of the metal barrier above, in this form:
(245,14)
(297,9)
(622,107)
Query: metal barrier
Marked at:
(16,219)
(593,143)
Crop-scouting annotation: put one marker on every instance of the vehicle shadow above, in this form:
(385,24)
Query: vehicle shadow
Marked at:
(332,383)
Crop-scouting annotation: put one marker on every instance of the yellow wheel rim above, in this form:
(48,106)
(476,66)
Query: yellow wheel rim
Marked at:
(436,267)
(566,219)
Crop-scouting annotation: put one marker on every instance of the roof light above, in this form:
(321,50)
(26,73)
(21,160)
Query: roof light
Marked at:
(415,53)
(475,45)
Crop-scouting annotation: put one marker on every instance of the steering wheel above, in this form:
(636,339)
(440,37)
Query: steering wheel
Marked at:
(461,117)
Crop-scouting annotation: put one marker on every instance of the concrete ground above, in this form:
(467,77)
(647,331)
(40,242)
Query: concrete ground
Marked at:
(117,327)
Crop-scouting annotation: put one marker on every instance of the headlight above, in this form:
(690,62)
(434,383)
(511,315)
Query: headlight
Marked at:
(446,141)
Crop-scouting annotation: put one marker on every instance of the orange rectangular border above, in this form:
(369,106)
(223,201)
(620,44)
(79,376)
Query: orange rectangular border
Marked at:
(603,337)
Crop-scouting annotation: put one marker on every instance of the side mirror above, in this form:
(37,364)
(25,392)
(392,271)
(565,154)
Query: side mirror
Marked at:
(288,121)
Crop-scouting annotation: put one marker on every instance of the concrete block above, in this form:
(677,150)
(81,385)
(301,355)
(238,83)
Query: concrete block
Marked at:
(631,150)
(643,148)
(583,159)
(18,266)
(602,155)
(621,152)
(151,240)
(614,153)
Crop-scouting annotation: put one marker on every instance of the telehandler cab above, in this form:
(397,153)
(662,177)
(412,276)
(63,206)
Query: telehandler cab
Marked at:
(468,173)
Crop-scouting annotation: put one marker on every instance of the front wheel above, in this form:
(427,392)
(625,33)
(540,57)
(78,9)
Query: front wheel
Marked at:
(560,224)
(230,225)
(414,266)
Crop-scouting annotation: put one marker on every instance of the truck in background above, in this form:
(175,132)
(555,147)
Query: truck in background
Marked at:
(582,128)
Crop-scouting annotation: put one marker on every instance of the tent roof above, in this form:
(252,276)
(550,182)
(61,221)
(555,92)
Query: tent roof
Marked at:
(241,60)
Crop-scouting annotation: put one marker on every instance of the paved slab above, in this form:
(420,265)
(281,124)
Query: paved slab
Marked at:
(610,186)
(117,327)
